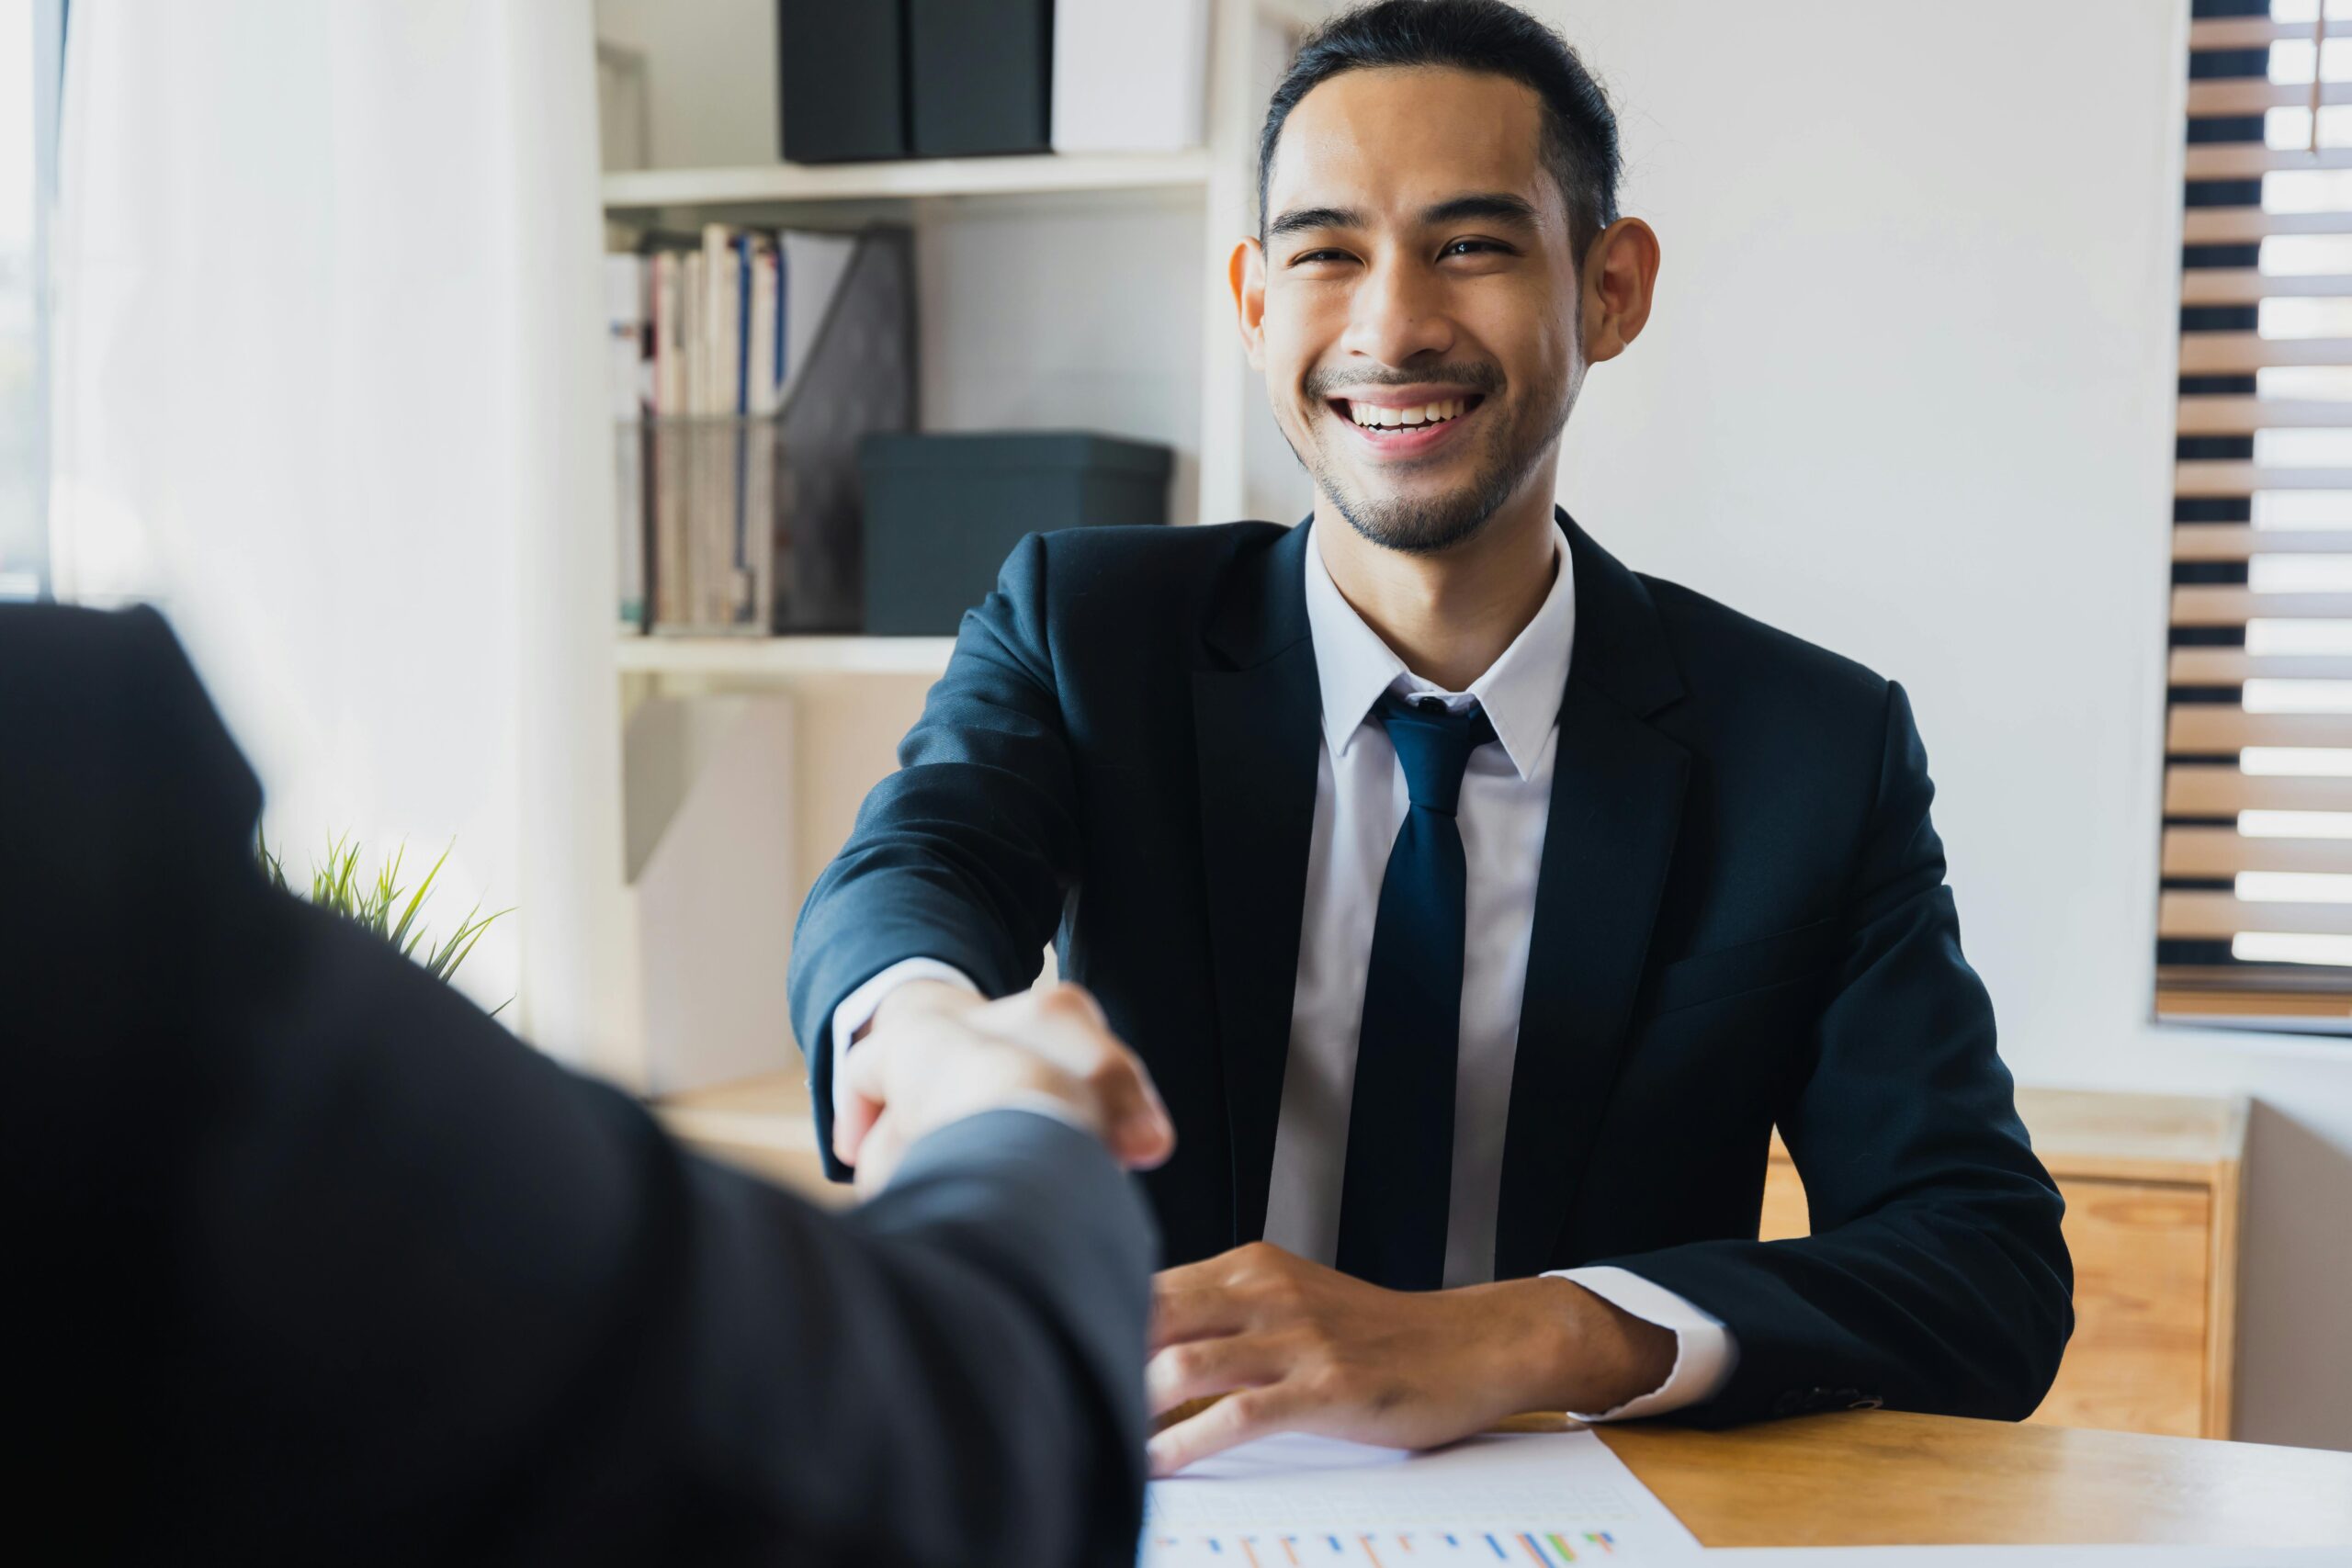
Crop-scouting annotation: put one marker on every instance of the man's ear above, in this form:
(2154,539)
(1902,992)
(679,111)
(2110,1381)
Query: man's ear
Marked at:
(1247,272)
(1619,279)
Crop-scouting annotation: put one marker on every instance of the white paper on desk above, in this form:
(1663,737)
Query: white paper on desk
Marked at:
(1547,1498)
(2163,1556)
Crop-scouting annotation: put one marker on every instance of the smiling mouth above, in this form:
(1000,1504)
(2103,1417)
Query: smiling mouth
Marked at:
(1414,431)
(1376,421)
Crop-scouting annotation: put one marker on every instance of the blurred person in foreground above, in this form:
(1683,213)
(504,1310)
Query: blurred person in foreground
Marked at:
(312,1261)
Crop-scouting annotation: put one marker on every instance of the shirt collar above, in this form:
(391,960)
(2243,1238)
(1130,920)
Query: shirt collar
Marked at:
(1521,691)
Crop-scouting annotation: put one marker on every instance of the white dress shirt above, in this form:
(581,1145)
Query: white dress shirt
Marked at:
(1361,801)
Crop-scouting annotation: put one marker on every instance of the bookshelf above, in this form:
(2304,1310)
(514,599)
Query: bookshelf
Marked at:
(783,658)
(852,697)
(642,190)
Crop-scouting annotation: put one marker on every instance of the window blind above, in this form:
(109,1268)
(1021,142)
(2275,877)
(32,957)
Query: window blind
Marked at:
(2254,911)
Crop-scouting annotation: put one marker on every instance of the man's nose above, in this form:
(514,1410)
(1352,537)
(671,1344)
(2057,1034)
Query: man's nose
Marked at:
(1400,311)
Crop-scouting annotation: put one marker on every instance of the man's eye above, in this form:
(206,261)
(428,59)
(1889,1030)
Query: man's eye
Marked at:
(1304,257)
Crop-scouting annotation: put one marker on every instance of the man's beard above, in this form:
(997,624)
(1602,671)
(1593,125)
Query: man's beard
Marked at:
(1511,449)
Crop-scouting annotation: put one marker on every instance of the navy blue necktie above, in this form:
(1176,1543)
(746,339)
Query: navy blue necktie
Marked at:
(1400,1124)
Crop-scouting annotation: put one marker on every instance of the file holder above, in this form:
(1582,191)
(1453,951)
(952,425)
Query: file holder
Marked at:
(752,525)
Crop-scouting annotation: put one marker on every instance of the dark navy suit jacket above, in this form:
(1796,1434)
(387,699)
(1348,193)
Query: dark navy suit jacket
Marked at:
(1740,921)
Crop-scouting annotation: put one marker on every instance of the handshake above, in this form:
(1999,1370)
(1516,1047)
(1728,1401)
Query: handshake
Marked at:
(936,1053)
(1256,1339)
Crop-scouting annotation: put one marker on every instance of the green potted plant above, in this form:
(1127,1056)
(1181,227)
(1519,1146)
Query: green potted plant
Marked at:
(369,902)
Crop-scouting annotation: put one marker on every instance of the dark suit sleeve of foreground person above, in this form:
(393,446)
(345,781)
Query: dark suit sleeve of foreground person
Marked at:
(312,1261)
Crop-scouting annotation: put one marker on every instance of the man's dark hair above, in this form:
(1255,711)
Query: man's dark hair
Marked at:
(1579,143)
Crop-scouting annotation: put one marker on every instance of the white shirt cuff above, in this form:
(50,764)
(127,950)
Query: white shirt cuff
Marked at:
(1705,1351)
(857,1009)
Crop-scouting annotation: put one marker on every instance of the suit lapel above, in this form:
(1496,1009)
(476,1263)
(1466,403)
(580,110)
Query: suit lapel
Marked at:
(1617,788)
(1257,735)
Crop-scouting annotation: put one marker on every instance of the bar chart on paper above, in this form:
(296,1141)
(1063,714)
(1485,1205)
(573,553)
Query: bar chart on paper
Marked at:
(1267,1549)
(1536,1501)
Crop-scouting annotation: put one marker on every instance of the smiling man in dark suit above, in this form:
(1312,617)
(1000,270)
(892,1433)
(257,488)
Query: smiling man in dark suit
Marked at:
(1479,905)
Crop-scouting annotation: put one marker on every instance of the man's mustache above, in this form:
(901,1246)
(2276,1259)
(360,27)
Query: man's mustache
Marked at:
(1482,380)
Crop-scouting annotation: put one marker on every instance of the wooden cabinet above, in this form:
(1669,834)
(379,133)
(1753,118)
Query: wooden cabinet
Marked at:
(2152,1202)
(2152,1186)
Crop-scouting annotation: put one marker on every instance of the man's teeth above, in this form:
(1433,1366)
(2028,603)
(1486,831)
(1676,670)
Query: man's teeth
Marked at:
(1424,413)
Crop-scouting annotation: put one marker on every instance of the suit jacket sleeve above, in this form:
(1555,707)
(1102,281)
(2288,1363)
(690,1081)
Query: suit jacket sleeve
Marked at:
(1935,1277)
(967,851)
(322,1265)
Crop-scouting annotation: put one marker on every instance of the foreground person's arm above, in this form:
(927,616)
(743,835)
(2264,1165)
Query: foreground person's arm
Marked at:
(314,1262)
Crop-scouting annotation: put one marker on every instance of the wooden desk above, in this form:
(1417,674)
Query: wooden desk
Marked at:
(1885,1477)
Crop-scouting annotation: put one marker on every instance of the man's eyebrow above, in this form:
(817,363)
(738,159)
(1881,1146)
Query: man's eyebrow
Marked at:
(1300,218)
(1494,207)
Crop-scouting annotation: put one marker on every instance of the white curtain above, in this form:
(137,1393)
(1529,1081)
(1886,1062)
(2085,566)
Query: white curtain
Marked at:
(328,390)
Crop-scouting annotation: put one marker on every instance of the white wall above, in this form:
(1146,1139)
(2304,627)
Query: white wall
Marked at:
(1908,393)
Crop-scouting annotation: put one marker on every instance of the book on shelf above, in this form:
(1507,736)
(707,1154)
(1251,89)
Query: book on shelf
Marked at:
(630,372)
(729,524)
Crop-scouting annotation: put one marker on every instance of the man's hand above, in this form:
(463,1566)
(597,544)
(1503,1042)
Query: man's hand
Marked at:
(1297,1347)
(950,1055)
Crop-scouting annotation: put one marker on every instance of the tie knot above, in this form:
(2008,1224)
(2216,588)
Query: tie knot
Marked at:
(1433,745)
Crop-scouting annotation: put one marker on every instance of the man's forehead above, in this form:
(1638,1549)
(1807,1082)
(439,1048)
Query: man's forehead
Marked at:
(1408,133)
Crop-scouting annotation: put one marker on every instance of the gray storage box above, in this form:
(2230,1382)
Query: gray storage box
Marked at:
(943,512)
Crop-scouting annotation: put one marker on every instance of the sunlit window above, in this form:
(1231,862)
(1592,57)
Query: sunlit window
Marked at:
(30,31)
(2254,912)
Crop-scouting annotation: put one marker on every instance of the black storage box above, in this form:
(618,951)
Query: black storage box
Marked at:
(841,81)
(943,512)
(979,76)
